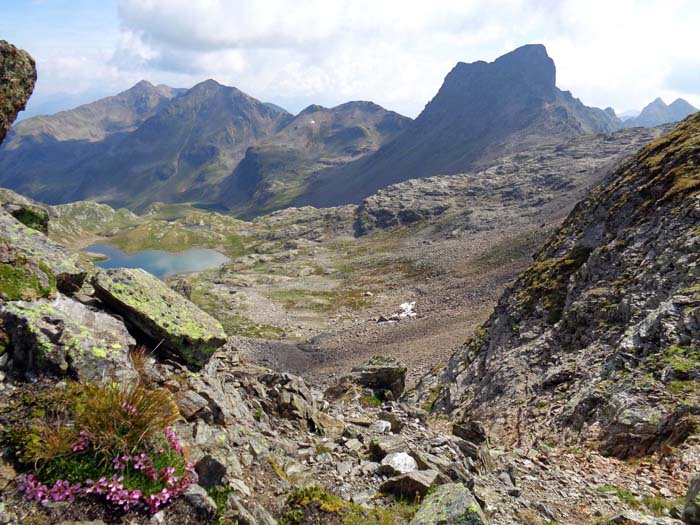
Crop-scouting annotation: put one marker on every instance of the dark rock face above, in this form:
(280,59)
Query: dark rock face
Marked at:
(381,374)
(17,78)
(604,325)
(510,104)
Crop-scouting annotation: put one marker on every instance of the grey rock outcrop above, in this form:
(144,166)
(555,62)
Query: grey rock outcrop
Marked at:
(612,298)
(691,510)
(381,374)
(66,338)
(26,244)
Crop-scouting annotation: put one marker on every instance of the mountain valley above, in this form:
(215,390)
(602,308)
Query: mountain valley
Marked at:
(488,314)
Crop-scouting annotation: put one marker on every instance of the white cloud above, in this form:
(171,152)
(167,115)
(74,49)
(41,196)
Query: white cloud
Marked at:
(620,53)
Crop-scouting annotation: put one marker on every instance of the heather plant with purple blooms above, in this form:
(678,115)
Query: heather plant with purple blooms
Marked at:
(110,441)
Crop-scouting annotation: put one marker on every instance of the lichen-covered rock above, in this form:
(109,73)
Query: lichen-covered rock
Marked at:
(28,212)
(163,316)
(450,504)
(17,79)
(25,245)
(66,338)
(382,374)
(631,517)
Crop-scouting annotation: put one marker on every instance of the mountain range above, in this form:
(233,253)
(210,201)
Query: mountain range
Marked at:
(658,112)
(216,146)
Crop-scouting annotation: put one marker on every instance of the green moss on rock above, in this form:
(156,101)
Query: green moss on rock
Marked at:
(546,282)
(450,504)
(29,245)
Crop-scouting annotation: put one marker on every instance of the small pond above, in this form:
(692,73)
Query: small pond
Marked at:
(159,263)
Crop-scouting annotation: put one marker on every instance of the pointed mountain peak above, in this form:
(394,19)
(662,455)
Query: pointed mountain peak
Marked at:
(682,104)
(527,69)
(143,84)
(657,102)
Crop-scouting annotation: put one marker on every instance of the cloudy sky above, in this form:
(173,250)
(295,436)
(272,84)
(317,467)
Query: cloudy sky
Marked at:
(619,53)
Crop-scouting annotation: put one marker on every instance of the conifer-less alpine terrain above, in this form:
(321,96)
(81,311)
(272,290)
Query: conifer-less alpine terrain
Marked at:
(401,358)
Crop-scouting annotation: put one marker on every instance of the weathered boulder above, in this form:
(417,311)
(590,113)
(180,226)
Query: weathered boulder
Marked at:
(210,472)
(451,504)
(28,254)
(398,463)
(382,374)
(691,511)
(470,431)
(28,212)
(411,484)
(17,79)
(195,506)
(293,400)
(385,445)
(183,287)
(162,315)
(66,338)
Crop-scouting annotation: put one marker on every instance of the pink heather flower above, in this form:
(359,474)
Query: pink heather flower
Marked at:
(173,441)
(35,490)
(141,461)
(120,463)
(129,408)
(82,443)
(167,475)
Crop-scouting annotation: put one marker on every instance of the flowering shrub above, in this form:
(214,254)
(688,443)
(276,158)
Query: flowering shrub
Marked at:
(111,441)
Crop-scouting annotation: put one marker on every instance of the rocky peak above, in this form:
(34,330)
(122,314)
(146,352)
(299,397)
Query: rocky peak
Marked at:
(681,108)
(480,89)
(17,78)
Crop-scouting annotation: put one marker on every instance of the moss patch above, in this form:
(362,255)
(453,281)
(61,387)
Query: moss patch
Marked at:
(25,281)
(546,282)
(321,301)
(315,505)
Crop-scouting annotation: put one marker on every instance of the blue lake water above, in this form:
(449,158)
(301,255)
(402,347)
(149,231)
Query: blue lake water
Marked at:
(159,263)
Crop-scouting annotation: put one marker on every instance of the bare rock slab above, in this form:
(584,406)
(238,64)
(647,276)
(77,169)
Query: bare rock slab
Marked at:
(66,338)
(160,314)
(411,484)
(451,504)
